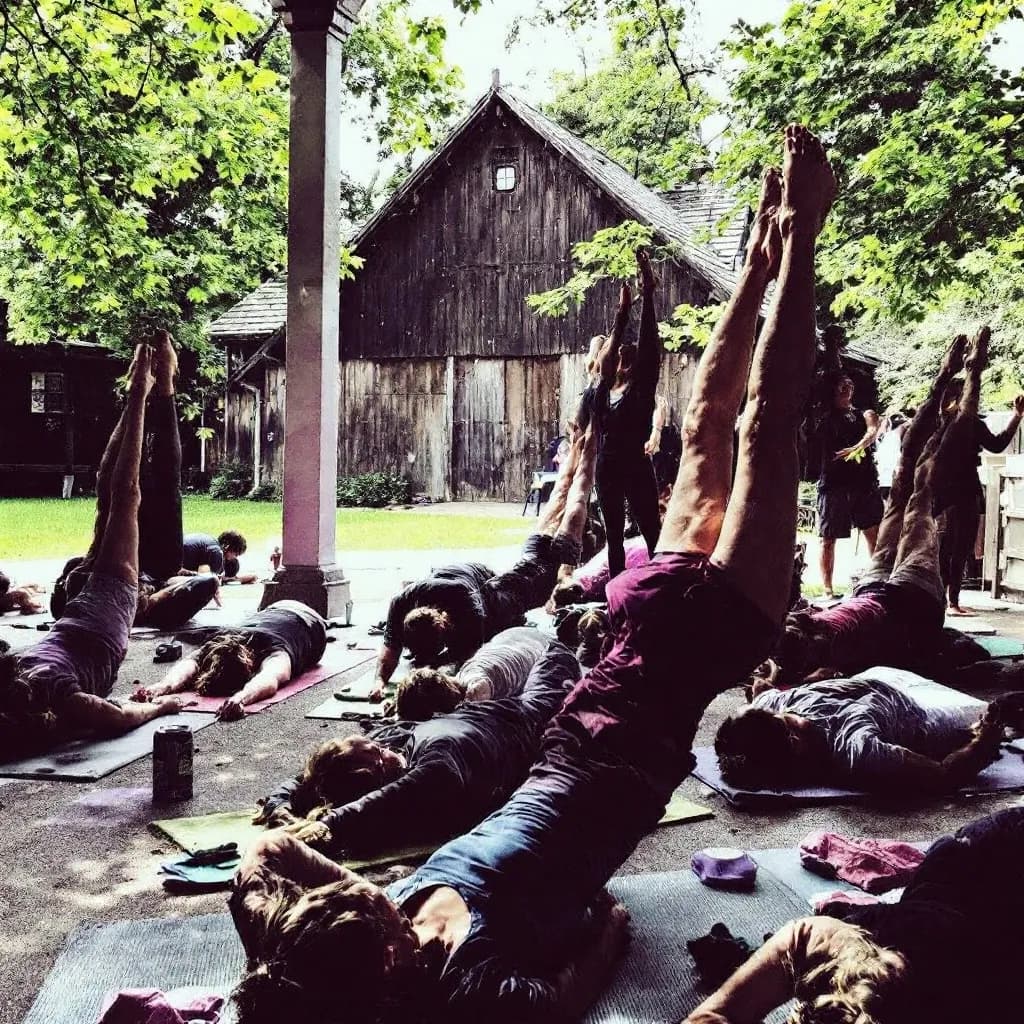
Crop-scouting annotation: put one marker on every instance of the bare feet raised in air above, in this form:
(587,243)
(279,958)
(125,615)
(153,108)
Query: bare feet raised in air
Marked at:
(808,184)
(625,296)
(140,373)
(977,354)
(953,360)
(764,250)
(165,363)
(645,272)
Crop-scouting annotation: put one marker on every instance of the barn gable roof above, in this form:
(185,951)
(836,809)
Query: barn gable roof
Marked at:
(264,311)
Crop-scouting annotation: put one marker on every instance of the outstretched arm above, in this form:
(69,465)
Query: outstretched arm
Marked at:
(177,679)
(608,357)
(998,442)
(872,426)
(106,719)
(648,351)
(275,671)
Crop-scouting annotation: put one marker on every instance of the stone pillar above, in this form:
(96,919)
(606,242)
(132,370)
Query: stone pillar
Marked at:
(310,572)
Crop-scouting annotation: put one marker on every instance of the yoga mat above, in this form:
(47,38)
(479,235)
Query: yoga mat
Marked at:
(1004,775)
(88,760)
(352,710)
(974,628)
(211,830)
(1000,646)
(655,982)
(336,660)
(165,953)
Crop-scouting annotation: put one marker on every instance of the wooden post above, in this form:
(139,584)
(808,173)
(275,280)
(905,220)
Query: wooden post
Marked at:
(310,573)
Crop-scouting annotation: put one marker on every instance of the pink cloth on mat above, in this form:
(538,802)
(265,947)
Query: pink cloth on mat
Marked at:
(593,575)
(151,1006)
(874,865)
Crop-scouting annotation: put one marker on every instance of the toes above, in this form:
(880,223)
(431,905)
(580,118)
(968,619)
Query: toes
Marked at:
(771,187)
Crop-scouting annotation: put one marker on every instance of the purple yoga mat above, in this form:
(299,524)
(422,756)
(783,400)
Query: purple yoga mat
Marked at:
(1006,774)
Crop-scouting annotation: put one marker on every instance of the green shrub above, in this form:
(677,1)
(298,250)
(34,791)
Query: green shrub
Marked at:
(374,490)
(232,480)
(269,490)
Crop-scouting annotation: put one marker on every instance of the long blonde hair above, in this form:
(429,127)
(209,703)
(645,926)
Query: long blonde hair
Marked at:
(858,984)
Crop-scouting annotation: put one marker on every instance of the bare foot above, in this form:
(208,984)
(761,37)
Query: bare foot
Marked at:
(977,355)
(625,296)
(166,363)
(645,272)
(959,612)
(953,360)
(140,373)
(808,184)
(759,255)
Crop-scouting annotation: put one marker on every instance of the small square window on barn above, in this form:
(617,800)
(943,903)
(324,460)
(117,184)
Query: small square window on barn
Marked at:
(505,177)
(48,392)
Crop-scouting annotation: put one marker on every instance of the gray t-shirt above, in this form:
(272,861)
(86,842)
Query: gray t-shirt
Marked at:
(499,668)
(869,724)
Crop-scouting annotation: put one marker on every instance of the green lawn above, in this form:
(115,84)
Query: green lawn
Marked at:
(37,528)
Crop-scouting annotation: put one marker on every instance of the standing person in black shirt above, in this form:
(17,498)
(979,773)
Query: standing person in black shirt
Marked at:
(958,495)
(446,618)
(624,409)
(848,495)
(408,782)
(248,662)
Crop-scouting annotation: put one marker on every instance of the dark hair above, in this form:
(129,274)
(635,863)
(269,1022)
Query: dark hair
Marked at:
(26,726)
(568,592)
(348,929)
(340,771)
(5,583)
(754,750)
(426,692)
(424,631)
(230,567)
(232,539)
(226,664)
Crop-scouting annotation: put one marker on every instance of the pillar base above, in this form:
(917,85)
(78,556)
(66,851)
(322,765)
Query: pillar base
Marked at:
(324,589)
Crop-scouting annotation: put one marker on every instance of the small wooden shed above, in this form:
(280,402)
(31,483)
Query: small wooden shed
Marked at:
(446,374)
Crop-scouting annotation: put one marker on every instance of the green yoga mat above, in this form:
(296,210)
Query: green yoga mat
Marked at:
(1000,646)
(210,830)
(353,706)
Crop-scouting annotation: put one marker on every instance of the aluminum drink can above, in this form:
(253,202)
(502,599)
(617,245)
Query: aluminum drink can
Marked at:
(172,764)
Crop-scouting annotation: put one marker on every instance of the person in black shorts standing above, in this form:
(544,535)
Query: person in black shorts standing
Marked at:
(848,495)
(248,662)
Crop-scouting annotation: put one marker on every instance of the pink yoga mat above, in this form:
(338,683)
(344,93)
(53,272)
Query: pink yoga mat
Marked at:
(337,659)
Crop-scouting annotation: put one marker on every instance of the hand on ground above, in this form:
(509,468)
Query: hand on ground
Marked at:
(376,695)
(312,833)
(276,817)
(169,705)
(231,710)
(142,694)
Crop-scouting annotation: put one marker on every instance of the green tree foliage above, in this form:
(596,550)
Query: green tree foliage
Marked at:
(925,132)
(644,104)
(143,153)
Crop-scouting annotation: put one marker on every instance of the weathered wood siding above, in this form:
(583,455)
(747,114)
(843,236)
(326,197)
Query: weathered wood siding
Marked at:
(395,417)
(448,272)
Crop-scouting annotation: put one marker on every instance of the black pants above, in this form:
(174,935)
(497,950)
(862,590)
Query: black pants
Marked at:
(958,529)
(160,529)
(620,480)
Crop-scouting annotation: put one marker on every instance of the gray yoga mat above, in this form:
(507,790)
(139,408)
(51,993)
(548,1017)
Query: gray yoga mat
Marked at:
(654,983)
(1006,774)
(88,760)
(165,953)
(352,709)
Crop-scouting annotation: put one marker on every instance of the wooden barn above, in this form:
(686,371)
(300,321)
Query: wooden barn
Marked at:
(447,376)
(57,409)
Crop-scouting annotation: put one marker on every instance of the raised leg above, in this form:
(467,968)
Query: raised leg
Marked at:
(756,542)
(160,526)
(696,509)
(104,476)
(612,497)
(118,551)
(577,503)
(555,508)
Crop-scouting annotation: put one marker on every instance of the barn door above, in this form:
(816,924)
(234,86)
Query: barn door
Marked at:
(478,430)
(532,389)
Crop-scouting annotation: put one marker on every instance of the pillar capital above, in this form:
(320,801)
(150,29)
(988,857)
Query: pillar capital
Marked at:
(337,17)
